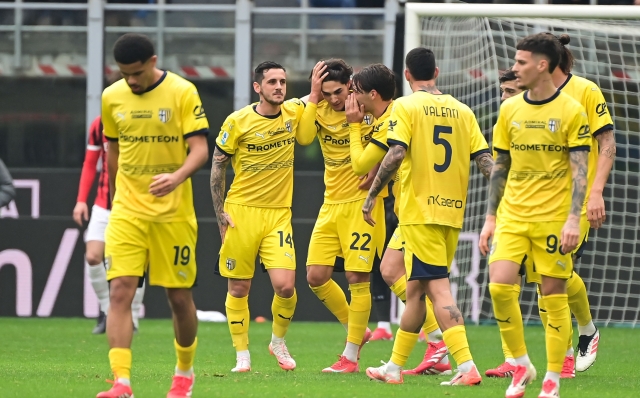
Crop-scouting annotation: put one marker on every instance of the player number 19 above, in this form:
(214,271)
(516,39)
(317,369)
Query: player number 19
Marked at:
(182,256)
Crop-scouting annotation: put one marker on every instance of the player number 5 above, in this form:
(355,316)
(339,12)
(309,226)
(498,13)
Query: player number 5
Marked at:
(437,130)
(182,256)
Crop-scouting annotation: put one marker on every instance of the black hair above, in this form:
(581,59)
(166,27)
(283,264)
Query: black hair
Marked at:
(338,71)
(507,76)
(376,77)
(133,47)
(258,72)
(566,57)
(543,44)
(421,63)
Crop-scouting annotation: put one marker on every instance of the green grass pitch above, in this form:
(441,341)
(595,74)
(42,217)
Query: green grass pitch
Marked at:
(60,358)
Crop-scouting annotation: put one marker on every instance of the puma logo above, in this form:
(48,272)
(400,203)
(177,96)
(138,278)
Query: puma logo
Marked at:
(516,124)
(260,135)
(365,259)
(557,328)
(238,322)
(508,320)
(288,255)
(284,317)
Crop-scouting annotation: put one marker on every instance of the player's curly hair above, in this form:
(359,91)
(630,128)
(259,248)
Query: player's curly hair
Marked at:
(376,77)
(421,63)
(258,72)
(338,71)
(133,47)
(543,44)
(507,75)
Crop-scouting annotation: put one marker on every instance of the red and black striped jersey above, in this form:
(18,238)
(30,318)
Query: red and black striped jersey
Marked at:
(96,150)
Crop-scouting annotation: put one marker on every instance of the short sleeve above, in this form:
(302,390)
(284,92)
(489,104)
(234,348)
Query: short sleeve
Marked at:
(597,111)
(501,137)
(478,142)
(399,126)
(110,129)
(379,137)
(227,140)
(194,120)
(297,106)
(579,133)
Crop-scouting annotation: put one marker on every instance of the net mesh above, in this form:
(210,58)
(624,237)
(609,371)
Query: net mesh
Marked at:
(470,52)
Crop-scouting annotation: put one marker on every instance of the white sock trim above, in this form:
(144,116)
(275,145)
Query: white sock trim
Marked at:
(184,373)
(98,278)
(523,360)
(435,336)
(385,325)
(351,351)
(243,354)
(510,361)
(555,377)
(466,367)
(587,330)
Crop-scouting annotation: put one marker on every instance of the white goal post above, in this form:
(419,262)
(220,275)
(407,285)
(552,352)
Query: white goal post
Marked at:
(472,43)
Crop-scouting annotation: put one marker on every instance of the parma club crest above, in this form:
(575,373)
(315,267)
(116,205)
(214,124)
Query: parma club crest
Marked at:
(165,115)
(231,264)
(554,125)
(368,119)
(288,126)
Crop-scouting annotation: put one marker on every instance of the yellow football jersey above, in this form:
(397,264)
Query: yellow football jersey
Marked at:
(441,135)
(151,129)
(261,150)
(589,95)
(365,157)
(539,135)
(333,133)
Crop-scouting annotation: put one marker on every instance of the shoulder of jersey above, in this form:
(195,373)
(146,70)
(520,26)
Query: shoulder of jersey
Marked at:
(570,100)
(293,103)
(180,82)
(583,83)
(117,87)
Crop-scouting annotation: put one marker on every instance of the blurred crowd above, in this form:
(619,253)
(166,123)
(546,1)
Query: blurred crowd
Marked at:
(139,18)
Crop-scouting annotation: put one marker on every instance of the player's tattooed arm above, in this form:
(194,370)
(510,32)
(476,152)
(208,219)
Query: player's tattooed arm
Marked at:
(218,184)
(596,213)
(498,181)
(485,164)
(579,164)
(607,143)
(388,168)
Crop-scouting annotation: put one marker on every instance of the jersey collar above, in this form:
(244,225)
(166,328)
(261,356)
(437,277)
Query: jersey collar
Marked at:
(542,102)
(277,115)
(565,82)
(156,84)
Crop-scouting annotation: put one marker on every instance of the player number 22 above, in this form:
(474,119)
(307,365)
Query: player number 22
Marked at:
(448,152)
(363,247)
(182,256)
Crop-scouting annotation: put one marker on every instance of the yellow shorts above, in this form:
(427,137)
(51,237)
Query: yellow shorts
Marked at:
(342,239)
(516,240)
(532,275)
(167,250)
(429,250)
(396,242)
(258,231)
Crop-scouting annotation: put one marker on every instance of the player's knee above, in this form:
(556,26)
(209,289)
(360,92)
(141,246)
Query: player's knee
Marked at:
(94,258)
(316,279)
(239,288)
(121,293)
(389,273)
(285,291)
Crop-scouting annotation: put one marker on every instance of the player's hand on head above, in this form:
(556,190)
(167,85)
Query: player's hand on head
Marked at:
(570,234)
(317,77)
(595,210)
(80,213)
(163,184)
(224,222)
(367,208)
(353,110)
(486,235)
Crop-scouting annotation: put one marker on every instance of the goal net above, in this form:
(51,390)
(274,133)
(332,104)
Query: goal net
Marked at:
(472,43)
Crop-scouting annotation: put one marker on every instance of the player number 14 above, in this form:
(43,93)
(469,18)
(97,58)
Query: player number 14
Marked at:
(286,240)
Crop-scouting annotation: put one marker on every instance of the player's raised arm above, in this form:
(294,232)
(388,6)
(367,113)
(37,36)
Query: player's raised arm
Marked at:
(307,129)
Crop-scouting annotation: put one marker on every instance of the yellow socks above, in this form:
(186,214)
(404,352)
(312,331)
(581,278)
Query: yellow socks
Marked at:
(399,288)
(120,361)
(238,319)
(430,322)
(558,330)
(334,299)
(505,350)
(359,311)
(507,313)
(456,340)
(402,346)
(282,310)
(185,355)
(578,299)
